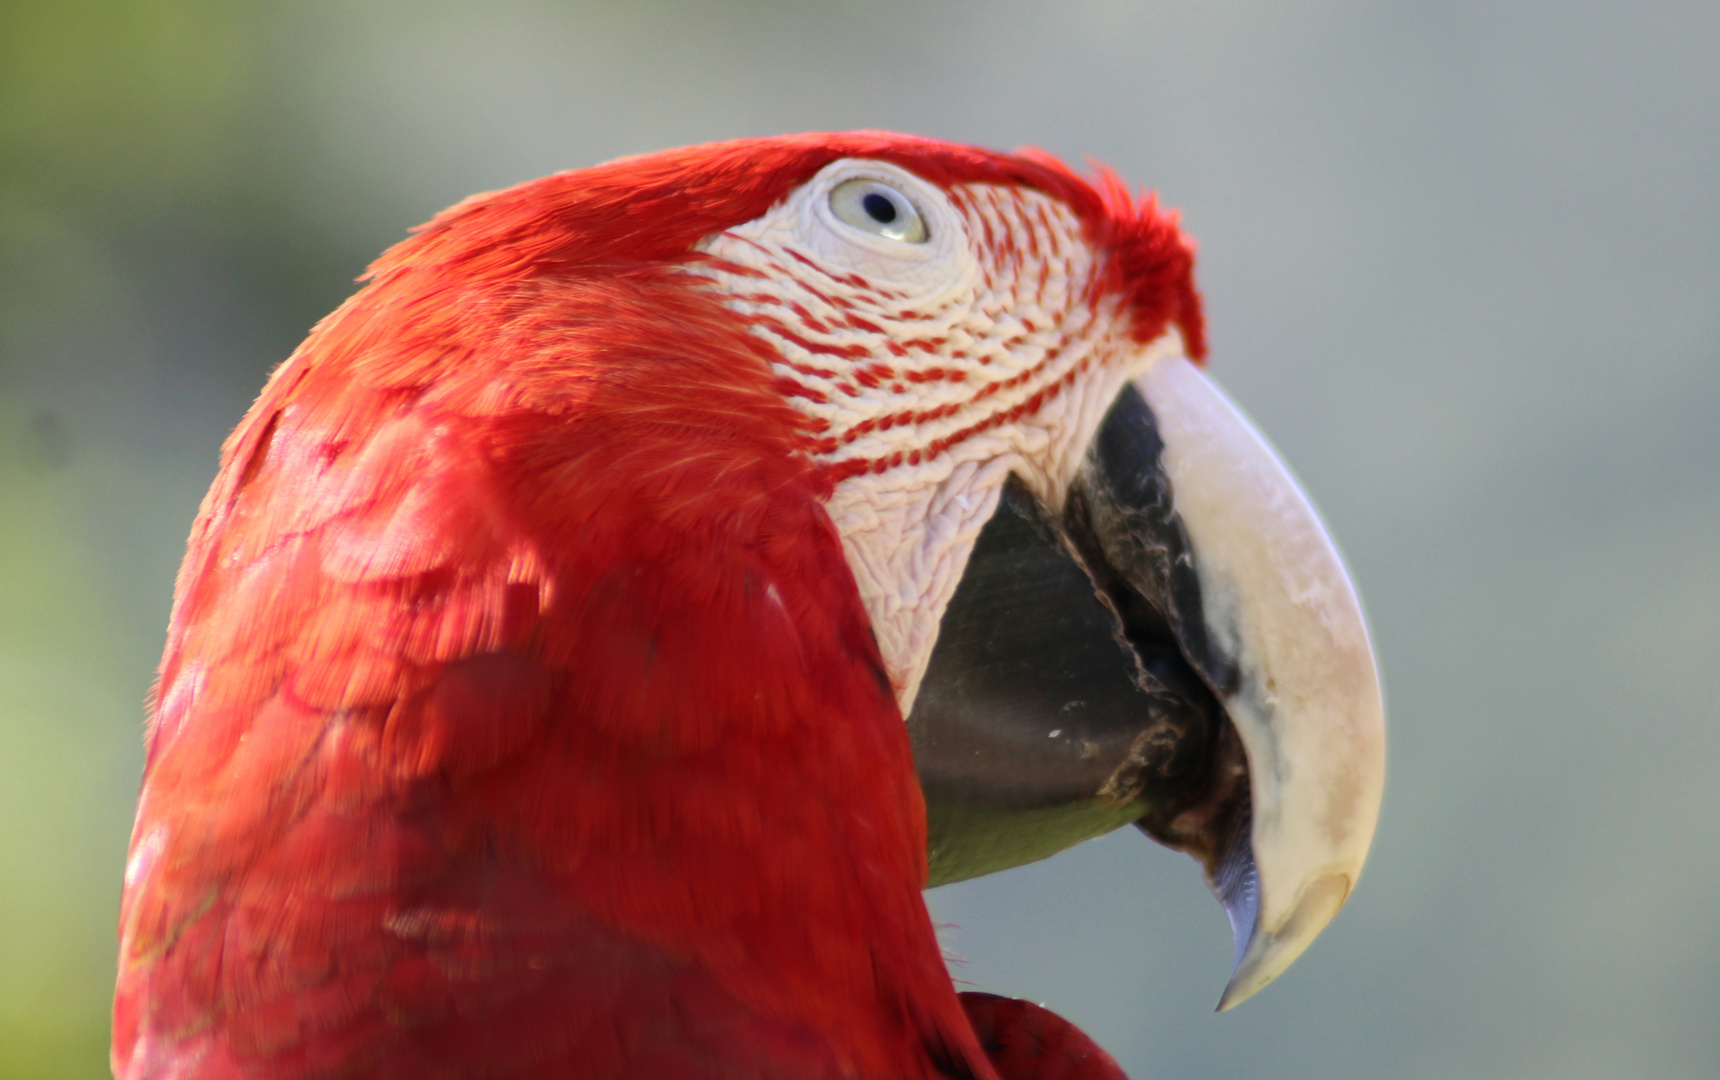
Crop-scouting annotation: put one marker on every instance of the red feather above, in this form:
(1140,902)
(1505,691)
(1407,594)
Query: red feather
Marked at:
(519,715)
(1030,1042)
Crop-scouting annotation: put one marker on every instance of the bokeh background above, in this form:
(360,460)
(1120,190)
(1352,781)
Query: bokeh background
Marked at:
(1462,262)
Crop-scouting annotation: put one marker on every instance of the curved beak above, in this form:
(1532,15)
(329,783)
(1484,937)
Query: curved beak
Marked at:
(1177,647)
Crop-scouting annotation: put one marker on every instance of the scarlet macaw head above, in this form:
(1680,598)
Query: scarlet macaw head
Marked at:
(555,634)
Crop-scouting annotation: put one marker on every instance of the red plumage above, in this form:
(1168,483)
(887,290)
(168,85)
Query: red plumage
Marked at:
(1030,1042)
(519,715)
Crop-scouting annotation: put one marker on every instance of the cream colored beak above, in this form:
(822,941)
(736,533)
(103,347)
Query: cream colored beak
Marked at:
(1283,643)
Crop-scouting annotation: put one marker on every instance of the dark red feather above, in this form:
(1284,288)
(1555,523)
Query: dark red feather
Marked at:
(1030,1042)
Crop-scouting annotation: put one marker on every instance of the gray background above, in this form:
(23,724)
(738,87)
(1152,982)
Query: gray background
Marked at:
(1462,264)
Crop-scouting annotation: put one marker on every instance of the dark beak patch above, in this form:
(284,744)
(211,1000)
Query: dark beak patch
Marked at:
(1178,646)
(1058,704)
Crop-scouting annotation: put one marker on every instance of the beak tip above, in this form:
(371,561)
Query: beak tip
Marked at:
(1247,979)
(1267,953)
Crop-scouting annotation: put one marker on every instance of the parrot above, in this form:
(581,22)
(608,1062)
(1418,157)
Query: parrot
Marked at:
(611,619)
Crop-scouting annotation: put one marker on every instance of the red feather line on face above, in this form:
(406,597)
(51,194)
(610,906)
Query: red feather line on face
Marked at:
(519,714)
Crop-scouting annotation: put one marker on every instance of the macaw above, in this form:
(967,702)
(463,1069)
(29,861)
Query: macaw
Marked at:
(611,619)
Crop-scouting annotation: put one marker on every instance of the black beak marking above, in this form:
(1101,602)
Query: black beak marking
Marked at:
(1124,509)
(1074,688)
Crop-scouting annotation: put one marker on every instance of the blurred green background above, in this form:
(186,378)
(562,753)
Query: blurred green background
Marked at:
(1462,263)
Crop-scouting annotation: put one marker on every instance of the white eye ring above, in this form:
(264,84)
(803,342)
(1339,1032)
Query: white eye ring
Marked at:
(876,207)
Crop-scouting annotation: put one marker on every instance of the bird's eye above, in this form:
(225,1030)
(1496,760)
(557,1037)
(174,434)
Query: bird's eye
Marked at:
(878,208)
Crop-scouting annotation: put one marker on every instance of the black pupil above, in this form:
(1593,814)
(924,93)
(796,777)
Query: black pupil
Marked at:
(879,208)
